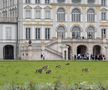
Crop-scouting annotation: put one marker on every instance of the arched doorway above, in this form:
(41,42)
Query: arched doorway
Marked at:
(82,49)
(8,52)
(96,50)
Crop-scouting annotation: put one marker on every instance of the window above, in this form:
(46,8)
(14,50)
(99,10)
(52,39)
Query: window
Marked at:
(103,2)
(47,14)
(91,1)
(8,33)
(91,32)
(4,3)
(47,1)
(61,32)
(47,33)
(28,33)
(37,33)
(103,33)
(38,13)
(28,13)
(60,1)
(76,32)
(103,15)
(4,14)
(37,1)
(60,14)
(76,1)
(11,2)
(27,1)
(91,15)
(76,15)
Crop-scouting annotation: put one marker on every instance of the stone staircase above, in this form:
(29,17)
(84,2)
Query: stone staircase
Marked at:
(51,42)
(54,52)
(51,50)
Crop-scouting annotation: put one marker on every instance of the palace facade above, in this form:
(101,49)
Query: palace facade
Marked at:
(56,29)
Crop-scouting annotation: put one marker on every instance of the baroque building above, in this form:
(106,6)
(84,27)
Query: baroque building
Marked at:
(58,29)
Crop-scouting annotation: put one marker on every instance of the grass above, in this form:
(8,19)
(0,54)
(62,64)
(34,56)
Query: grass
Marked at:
(20,72)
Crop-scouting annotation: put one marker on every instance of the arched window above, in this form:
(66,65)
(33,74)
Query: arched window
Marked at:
(61,32)
(60,14)
(104,14)
(103,2)
(76,1)
(76,15)
(91,32)
(60,1)
(76,32)
(91,15)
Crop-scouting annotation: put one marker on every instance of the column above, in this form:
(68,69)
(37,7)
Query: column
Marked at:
(42,32)
(90,51)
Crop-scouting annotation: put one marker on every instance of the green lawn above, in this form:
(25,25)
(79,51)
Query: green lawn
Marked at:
(20,72)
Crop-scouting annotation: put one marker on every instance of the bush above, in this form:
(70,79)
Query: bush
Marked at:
(57,86)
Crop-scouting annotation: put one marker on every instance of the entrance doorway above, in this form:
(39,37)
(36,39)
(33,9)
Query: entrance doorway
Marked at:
(96,50)
(82,49)
(8,52)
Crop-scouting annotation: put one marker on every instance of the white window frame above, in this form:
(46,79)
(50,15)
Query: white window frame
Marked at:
(37,33)
(28,33)
(47,33)
(28,13)
(103,15)
(47,14)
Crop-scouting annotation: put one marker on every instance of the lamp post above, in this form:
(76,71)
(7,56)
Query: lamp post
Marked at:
(42,49)
(29,49)
(25,50)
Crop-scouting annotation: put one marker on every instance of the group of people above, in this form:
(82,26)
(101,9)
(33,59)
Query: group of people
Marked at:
(88,57)
(82,57)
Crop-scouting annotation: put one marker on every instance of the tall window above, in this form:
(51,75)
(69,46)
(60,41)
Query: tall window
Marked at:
(8,33)
(76,15)
(91,15)
(47,1)
(4,14)
(47,13)
(11,2)
(37,33)
(37,1)
(28,13)
(76,32)
(76,1)
(91,32)
(91,1)
(47,33)
(103,2)
(60,1)
(38,13)
(28,33)
(103,15)
(27,1)
(103,33)
(4,3)
(61,32)
(60,14)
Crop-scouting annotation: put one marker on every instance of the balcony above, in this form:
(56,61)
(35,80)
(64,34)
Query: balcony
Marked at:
(8,19)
